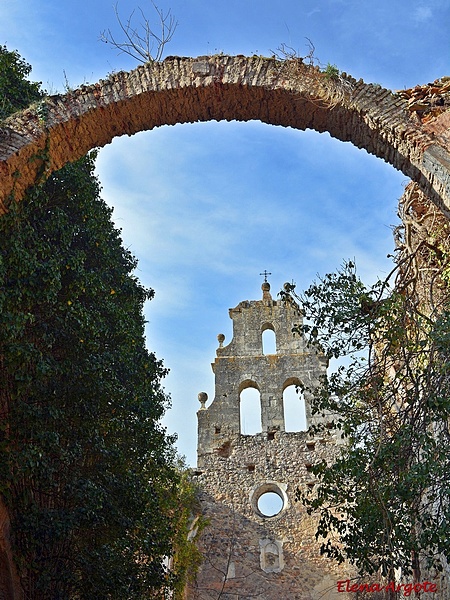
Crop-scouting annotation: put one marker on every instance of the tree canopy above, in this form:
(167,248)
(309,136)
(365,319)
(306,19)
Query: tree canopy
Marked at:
(384,504)
(90,478)
(16,91)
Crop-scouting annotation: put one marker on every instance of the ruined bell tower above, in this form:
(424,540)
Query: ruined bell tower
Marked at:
(253,547)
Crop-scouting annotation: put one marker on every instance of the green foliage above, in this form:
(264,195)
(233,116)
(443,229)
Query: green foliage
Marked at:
(186,557)
(331,71)
(16,92)
(85,465)
(384,504)
(96,497)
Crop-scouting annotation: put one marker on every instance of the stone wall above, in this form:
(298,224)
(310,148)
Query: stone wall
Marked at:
(250,550)
(248,555)
(242,364)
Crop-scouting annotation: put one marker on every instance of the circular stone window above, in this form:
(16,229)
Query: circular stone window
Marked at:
(269,500)
(270,504)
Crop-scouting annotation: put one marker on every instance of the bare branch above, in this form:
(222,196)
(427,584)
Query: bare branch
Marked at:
(327,83)
(142,43)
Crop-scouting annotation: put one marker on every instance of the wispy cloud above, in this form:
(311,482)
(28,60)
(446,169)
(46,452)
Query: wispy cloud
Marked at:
(422,13)
(207,207)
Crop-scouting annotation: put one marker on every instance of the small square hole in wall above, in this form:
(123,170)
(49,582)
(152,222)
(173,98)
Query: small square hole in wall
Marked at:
(251,468)
(310,445)
(308,467)
(271,435)
(217,430)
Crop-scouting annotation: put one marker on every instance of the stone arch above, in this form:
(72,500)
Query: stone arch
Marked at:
(265,326)
(62,128)
(249,408)
(248,383)
(268,338)
(296,409)
(292,381)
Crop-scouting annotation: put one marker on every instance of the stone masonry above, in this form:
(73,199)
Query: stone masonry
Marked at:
(409,129)
(248,551)
(62,128)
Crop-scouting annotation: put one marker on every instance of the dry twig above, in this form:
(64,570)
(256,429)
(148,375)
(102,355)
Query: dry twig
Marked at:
(142,43)
(326,83)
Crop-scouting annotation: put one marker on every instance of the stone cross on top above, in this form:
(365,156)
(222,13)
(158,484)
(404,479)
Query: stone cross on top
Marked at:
(265,275)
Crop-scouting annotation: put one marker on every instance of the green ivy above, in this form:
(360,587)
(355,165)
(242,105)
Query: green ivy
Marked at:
(16,92)
(90,478)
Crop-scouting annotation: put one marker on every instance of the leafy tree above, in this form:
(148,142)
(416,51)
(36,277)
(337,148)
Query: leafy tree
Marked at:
(16,92)
(95,494)
(384,504)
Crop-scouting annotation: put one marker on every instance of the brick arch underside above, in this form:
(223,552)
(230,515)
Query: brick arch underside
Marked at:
(186,90)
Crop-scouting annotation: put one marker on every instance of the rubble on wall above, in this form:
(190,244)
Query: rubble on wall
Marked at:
(429,100)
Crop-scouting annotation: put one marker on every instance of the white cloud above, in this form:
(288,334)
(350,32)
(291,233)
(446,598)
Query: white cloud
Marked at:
(207,207)
(422,13)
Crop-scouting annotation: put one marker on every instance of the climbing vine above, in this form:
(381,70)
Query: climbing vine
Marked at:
(97,499)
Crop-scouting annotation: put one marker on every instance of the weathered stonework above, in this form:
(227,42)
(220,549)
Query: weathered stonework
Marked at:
(242,364)
(410,130)
(61,129)
(423,246)
(247,552)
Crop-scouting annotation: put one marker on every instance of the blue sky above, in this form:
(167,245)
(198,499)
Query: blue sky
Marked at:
(207,207)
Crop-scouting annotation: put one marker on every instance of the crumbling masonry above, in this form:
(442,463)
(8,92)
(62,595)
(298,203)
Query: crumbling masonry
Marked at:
(409,129)
(63,128)
(249,551)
